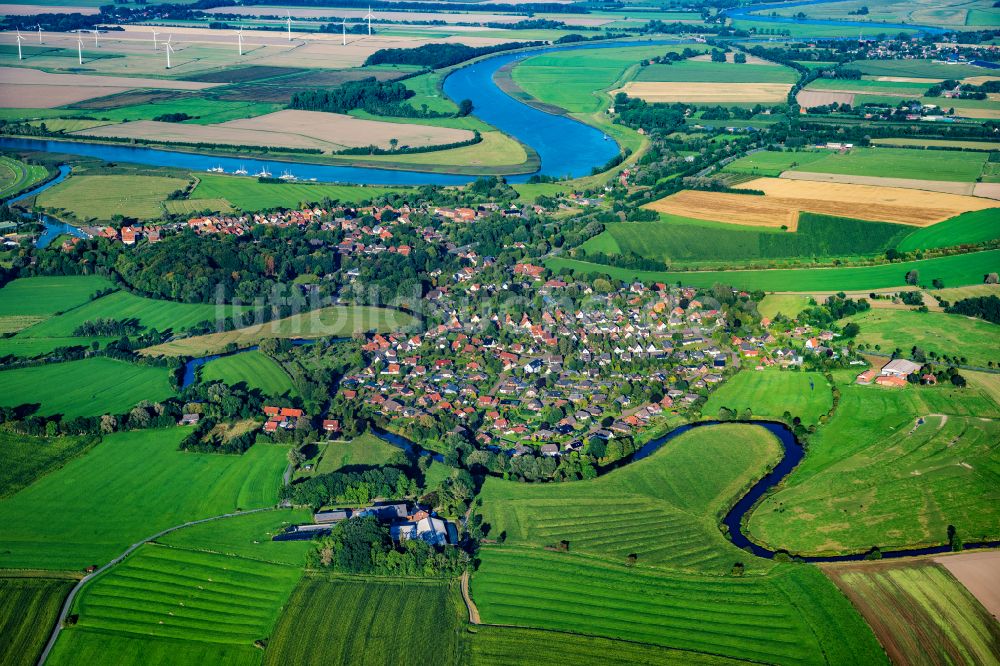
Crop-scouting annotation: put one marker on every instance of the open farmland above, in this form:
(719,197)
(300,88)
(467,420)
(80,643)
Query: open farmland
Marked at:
(29,608)
(660,92)
(92,198)
(920,613)
(974,227)
(918,68)
(977,572)
(89,387)
(44,296)
(16,176)
(250,195)
(792,616)
(875,476)
(128,487)
(254,369)
(695,71)
(345,621)
(333,321)
(246,536)
(31,88)
(770,393)
(92,646)
(26,458)
(364,450)
(788,305)
(974,340)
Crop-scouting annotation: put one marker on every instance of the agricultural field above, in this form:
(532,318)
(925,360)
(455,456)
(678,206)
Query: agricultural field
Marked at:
(247,536)
(92,646)
(892,468)
(99,198)
(788,305)
(769,394)
(369,622)
(253,368)
(16,176)
(363,451)
(974,340)
(128,487)
(791,616)
(29,608)
(89,387)
(249,195)
(664,92)
(27,458)
(333,321)
(972,227)
(919,612)
(922,69)
(958,293)
(45,296)
(694,71)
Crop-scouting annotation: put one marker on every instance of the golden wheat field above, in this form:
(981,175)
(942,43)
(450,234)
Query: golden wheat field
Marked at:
(706,93)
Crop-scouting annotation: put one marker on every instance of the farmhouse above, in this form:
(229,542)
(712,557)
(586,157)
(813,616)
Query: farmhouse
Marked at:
(899,367)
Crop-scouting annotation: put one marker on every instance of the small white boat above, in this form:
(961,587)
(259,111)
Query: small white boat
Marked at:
(263,173)
(217,169)
(287,175)
(240,172)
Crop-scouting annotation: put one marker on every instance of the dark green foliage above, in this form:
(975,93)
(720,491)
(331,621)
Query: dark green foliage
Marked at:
(439,55)
(836,307)
(369,94)
(351,487)
(984,307)
(108,328)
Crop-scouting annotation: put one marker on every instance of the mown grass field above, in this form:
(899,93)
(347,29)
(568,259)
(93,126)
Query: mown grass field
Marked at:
(976,340)
(26,458)
(252,368)
(366,449)
(247,536)
(503,646)
(16,176)
(91,646)
(920,613)
(89,387)
(976,226)
(951,165)
(792,616)
(28,611)
(786,304)
(662,509)
(955,270)
(249,195)
(127,487)
(717,72)
(368,622)
(336,321)
(770,393)
(926,69)
(937,143)
(45,296)
(87,198)
(873,477)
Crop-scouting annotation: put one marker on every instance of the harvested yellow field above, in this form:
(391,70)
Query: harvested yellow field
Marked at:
(731,57)
(811,98)
(947,186)
(903,79)
(291,129)
(979,80)
(705,93)
(785,199)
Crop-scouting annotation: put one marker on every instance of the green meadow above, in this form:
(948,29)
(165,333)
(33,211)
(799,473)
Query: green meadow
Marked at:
(128,487)
(955,270)
(978,226)
(717,72)
(99,198)
(770,393)
(253,368)
(365,450)
(873,476)
(16,176)
(910,89)
(975,340)
(29,608)
(92,646)
(247,536)
(923,69)
(369,622)
(789,305)
(45,296)
(26,458)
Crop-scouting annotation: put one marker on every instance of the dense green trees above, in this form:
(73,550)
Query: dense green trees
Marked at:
(440,55)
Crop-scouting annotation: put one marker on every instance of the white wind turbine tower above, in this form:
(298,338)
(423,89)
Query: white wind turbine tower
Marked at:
(169,49)
(79,48)
(369,17)
(239,40)
(288,23)
(20,39)
(343,24)
(39,33)
(96,33)
(156,47)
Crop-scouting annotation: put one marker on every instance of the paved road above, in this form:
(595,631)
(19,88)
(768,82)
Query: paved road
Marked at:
(68,604)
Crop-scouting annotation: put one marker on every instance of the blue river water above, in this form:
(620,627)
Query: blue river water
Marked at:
(53,227)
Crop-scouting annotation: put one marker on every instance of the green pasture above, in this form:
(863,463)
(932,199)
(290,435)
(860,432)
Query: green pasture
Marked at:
(717,72)
(93,646)
(927,69)
(332,321)
(427,89)
(768,394)
(955,270)
(369,622)
(26,458)
(936,143)
(194,206)
(907,89)
(29,608)
(249,195)
(531,191)
(89,387)
(787,304)
(43,296)
(976,226)
(495,150)
(16,176)
(793,615)
(976,340)
(247,536)
(253,368)
(678,240)
(27,347)
(128,487)
(363,451)
(98,198)
(873,476)
(804,30)
(663,508)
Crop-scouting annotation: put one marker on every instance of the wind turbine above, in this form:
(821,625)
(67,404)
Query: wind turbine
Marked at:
(343,24)
(156,47)
(169,49)
(39,33)
(369,16)
(96,33)
(79,48)
(20,39)
(288,22)
(239,39)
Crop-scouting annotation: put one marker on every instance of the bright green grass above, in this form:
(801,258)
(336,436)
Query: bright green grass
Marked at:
(950,165)
(937,143)
(365,450)
(39,296)
(869,478)
(101,197)
(368,623)
(662,508)
(792,616)
(192,206)
(955,270)
(946,334)
(573,80)
(247,536)
(976,226)
(496,149)
(918,69)
(28,611)
(128,487)
(252,368)
(249,195)
(93,646)
(26,458)
(16,176)
(770,393)
(531,191)
(788,305)
(25,347)
(717,72)
(89,387)
(909,89)
(428,91)
(504,646)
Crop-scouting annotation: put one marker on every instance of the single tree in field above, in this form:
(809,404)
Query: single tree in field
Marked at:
(912,277)
(393,143)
